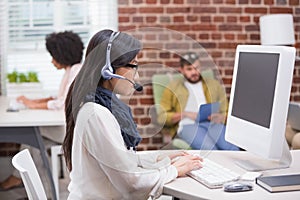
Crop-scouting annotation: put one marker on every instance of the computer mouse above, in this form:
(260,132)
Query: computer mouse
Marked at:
(237,187)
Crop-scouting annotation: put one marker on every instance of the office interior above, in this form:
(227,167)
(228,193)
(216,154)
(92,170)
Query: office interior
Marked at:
(163,26)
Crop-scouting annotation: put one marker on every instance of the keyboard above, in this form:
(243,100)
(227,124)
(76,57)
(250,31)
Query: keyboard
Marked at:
(213,175)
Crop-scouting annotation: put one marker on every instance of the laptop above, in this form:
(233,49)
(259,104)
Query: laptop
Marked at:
(294,115)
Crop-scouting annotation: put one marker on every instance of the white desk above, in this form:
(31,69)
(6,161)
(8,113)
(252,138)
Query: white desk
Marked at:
(22,127)
(189,189)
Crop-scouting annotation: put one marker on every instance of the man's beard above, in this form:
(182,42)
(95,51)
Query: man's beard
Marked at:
(192,80)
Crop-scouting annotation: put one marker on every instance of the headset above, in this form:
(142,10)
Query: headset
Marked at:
(107,70)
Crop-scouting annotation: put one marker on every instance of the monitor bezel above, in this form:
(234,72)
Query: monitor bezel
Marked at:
(262,141)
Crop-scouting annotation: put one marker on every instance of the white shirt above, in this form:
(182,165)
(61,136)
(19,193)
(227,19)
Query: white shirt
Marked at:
(69,76)
(103,168)
(195,99)
(196,96)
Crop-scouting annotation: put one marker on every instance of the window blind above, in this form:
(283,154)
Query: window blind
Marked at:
(25,24)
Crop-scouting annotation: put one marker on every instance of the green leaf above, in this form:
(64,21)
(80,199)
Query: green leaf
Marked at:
(12,77)
(32,77)
(23,78)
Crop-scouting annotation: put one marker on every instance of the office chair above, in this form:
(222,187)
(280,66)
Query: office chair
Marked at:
(23,162)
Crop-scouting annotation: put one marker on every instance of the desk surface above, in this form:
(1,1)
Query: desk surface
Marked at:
(29,117)
(189,189)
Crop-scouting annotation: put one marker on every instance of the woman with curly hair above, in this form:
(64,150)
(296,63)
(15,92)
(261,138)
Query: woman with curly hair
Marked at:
(66,49)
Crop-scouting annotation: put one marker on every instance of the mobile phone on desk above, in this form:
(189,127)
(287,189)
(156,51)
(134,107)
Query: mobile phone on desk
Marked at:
(12,110)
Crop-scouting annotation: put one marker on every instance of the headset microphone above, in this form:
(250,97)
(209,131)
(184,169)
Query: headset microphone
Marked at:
(136,86)
(107,70)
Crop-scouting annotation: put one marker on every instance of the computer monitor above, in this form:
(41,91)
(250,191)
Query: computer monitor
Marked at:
(259,102)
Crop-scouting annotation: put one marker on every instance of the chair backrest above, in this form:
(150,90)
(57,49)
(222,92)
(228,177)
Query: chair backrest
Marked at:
(23,162)
(159,83)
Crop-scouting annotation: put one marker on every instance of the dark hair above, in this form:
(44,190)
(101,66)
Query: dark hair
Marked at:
(188,59)
(65,47)
(124,49)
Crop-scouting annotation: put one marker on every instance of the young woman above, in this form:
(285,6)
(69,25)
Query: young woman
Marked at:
(66,50)
(101,137)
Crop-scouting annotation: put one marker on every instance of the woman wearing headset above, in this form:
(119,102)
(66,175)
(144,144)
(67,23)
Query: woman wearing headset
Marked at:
(101,138)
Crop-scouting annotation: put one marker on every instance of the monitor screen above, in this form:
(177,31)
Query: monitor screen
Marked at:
(255,87)
(259,99)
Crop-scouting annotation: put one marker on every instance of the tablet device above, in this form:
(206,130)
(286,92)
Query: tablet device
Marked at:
(205,110)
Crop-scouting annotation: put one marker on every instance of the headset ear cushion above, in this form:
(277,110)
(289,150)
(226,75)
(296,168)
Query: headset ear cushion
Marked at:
(106,73)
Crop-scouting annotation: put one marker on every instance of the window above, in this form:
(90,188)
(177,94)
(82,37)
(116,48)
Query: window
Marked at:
(25,24)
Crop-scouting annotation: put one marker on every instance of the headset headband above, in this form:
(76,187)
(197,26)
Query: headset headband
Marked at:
(108,49)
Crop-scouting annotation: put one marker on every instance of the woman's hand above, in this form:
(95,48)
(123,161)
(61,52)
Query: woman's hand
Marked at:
(34,103)
(187,163)
(27,102)
(22,99)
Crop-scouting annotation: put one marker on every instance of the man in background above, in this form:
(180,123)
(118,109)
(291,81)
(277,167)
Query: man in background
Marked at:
(180,103)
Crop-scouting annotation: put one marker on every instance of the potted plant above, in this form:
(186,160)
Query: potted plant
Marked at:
(23,83)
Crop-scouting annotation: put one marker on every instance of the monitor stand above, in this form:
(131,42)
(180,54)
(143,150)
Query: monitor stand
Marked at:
(258,164)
